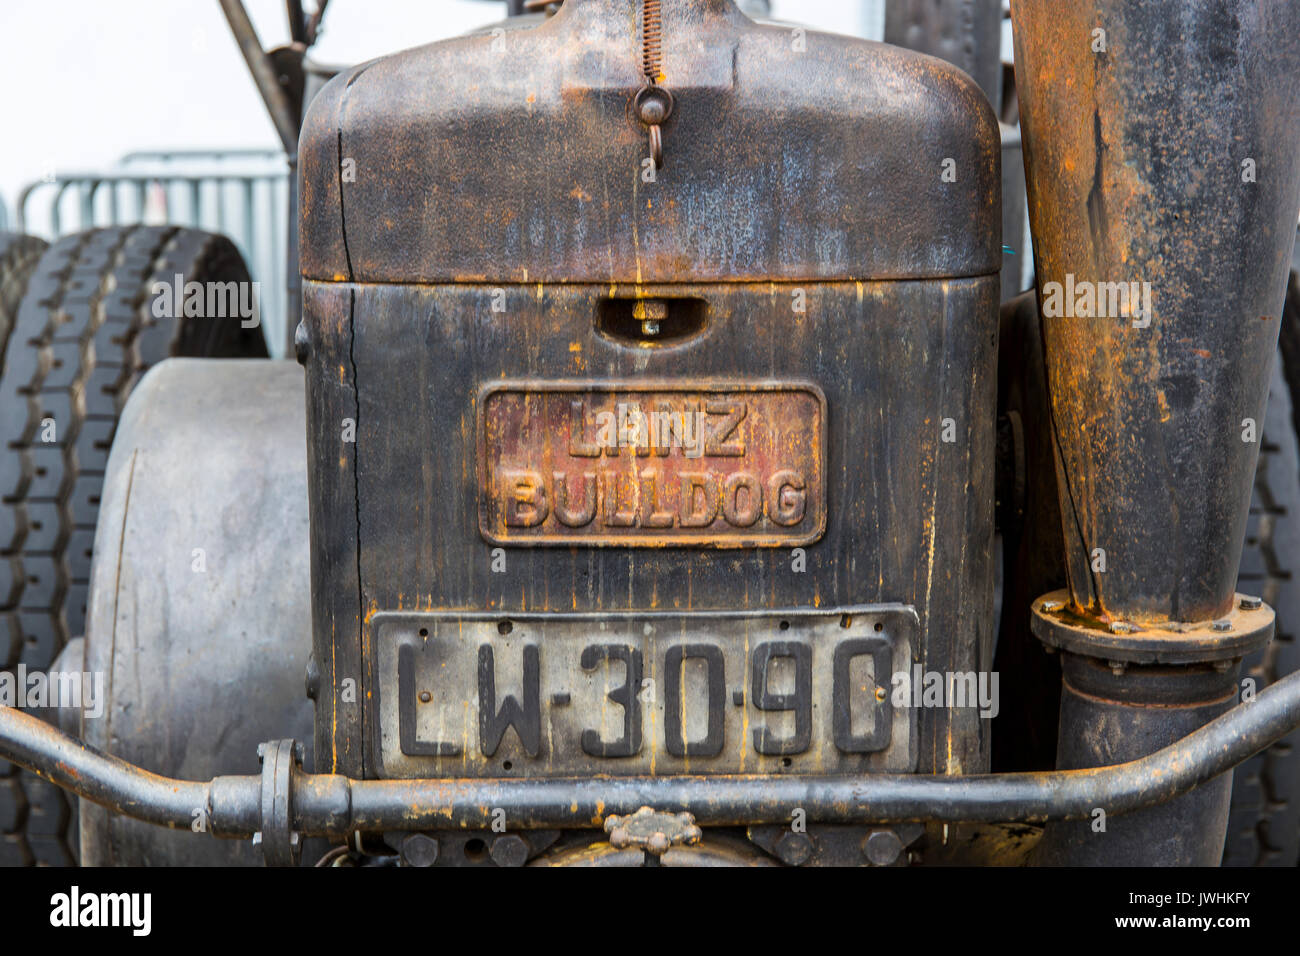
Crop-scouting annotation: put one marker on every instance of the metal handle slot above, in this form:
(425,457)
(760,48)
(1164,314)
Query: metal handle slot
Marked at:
(651,322)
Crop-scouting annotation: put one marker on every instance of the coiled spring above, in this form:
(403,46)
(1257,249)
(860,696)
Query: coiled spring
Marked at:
(652,34)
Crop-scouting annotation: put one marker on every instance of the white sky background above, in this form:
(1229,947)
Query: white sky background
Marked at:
(86,81)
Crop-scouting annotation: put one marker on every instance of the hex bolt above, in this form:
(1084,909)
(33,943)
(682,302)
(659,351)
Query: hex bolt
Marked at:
(650,312)
(1222,625)
(419,849)
(1051,607)
(794,849)
(882,848)
(1251,603)
(1123,627)
(509,850)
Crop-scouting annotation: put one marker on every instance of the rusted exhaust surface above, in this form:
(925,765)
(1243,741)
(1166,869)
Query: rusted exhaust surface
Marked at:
(1162,151)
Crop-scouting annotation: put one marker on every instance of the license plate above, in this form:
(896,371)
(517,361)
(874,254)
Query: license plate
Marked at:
(621,465)
(661,693)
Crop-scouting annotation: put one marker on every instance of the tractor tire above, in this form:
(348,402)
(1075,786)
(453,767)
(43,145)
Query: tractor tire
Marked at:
(18,257)
(1264,823)
(87,329)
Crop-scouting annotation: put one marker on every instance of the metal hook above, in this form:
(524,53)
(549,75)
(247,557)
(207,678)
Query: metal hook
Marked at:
(657,147)
(654,104)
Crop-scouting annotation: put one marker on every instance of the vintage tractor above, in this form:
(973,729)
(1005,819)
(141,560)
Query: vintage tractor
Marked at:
(637,494)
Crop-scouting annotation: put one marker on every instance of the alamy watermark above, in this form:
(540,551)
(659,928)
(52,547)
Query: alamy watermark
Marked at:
(207,300)
(53,689)
(133,911)
(958,689)
(1084,299)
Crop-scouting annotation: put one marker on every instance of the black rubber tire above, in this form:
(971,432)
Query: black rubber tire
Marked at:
(84,334)
(1264,824)
(18,257)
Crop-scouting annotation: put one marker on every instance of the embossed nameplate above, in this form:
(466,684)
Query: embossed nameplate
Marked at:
(663,464)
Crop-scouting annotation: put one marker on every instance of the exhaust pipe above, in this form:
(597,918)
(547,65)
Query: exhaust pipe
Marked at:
(1162,156)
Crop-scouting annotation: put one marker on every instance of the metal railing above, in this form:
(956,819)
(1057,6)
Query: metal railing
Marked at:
(242,193)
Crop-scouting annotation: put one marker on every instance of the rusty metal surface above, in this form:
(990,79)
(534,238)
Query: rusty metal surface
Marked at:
(467,208)
(519,158)
(829,845)
(554,695)
(1162,146)
(1247,627)
(657,832)
(1111,713)
(640,464)
(983,844)
(719,849)
(333,805)
(395,513)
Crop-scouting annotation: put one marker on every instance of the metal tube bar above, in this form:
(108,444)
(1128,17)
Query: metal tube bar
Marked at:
(259,64)
(330,805)
(297,21)
(100,778)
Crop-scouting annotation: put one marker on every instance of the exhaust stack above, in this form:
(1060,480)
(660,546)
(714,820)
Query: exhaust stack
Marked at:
(1162,154)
